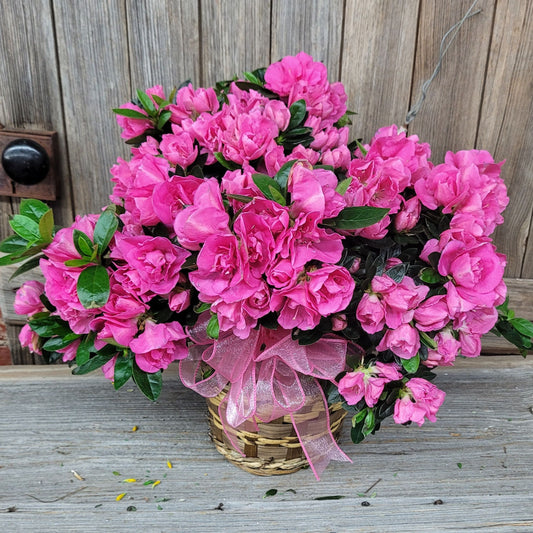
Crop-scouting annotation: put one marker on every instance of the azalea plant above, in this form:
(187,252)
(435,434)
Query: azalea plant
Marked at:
(248,239)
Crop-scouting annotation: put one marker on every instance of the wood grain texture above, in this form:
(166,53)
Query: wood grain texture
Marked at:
(235,36)
(476,460)
(377,59)
(293,30)
(30,93)
(164,43)
(448,119)
(506,126)
(94,63)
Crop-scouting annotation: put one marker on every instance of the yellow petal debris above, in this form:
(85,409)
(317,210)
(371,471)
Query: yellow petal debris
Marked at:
(120,496)
(135,428)
(77,476)
(155,483)
(130,480)
(169,464)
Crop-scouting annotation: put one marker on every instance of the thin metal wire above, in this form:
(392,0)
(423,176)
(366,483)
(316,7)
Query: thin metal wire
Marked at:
(442,52)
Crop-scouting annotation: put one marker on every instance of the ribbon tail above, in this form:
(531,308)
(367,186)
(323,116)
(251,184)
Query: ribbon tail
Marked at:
(315,435)
(249,425)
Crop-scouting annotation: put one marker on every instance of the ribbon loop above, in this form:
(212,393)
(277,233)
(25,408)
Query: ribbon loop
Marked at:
(270,375)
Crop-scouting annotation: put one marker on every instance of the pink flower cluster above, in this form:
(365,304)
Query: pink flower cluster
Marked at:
(394,172)
(381,172)
(237,201)
(275,258)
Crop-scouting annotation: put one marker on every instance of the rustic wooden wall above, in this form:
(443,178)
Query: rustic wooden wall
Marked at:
(65,63)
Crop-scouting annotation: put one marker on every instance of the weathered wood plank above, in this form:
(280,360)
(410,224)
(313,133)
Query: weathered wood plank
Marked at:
(475,460)
(506,126)
(377,61)
(448,119)
(30,92)
(164,43)
(293,24)
(235,36)
(92,46)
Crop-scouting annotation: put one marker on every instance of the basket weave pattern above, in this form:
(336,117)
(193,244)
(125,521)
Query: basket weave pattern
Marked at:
(272,450)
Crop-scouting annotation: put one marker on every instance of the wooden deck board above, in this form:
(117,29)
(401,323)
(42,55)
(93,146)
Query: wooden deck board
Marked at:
(52,423)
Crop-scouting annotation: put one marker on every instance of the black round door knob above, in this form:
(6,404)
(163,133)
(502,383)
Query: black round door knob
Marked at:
(25,161)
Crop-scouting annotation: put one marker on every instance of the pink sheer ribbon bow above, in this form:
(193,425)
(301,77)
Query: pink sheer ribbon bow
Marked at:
(270,375)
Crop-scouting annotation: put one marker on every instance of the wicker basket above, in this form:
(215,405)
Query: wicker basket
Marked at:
(272,450)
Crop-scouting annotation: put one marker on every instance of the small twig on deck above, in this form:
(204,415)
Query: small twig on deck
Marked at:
(11,509)
(372,486)
(57,499)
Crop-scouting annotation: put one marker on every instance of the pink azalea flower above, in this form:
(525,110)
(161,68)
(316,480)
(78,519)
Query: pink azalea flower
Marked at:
(419,400)
(371,313)
(133,127)
(404,341)
(29,339)
(368,382)
(28,298)
(154,262)
(206,217)
(158,345)
(223,271)
(178,147)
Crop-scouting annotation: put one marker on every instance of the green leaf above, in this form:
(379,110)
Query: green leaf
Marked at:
(370,422)
(356,432)
(82,243)
(298,114)
(240,198)
(523,326)
(230,165)
(164,117)
(46,226)
(92,364)
(397,272)
(265,184)
(93,287)
(252,78)
(213,328)
(28,265)
(431,276)
(105,229)
(26,227)
(276,195)
(270,492)
(427,340)
(504,327)
(123,371)
(160,101)
(146,102)
(77,262)
(343,121)
(33,209)
(357,217)
(49,326)
(297,133)
(411,365)
(201,307)
(58,343)
(149,384)
(336,497)
(343,185)
(13,244)
(282,175)
(131,113)
(86,347)
(10,259)
(359,417)
(246,86)
(361,147)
